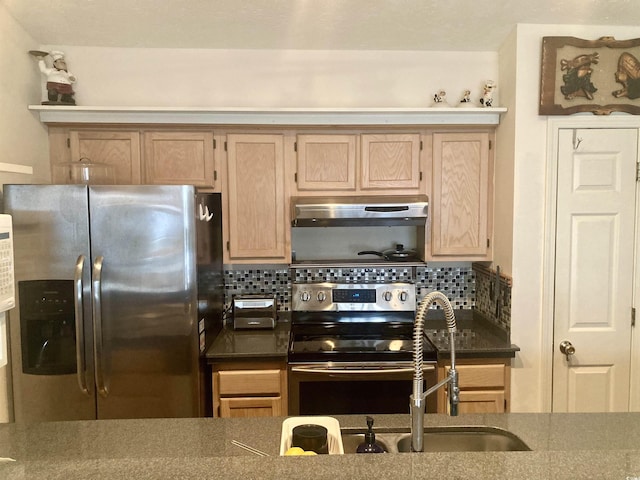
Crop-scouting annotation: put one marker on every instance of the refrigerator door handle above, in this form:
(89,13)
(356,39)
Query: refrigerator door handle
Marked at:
(97,325)
(81,365)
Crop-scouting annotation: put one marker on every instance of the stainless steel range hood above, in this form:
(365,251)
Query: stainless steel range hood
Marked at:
(359,211)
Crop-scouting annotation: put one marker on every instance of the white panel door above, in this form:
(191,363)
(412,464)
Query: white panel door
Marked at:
(596,203)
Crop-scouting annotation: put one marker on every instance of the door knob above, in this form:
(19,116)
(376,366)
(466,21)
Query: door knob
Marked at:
(567,348)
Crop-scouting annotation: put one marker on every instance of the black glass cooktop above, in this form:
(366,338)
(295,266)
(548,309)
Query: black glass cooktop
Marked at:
(354,342)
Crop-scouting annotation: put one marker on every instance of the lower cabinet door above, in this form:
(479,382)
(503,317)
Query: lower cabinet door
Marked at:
(485,386)
(242,407)
(249,389)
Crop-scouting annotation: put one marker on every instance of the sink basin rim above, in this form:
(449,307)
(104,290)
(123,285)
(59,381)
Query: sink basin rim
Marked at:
(451,438)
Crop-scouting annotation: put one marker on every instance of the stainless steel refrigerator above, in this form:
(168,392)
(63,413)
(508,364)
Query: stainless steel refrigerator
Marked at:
(119,290)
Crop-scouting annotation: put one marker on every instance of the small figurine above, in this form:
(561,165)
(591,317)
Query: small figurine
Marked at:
(577,80)
(487,93)
(465,101)
(440,99)
(628,75)
(59,79)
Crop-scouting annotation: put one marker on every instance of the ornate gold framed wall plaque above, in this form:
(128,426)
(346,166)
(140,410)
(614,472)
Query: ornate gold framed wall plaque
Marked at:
(599,76)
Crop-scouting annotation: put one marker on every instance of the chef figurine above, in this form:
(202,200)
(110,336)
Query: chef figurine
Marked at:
(439,99)
(465,101)
(59,79)
(487,93)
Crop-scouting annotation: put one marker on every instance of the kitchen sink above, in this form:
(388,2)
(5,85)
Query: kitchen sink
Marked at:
(439,439)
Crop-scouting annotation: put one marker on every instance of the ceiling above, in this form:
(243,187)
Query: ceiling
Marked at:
(462,25)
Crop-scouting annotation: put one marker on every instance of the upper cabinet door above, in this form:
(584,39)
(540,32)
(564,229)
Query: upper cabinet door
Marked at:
(390,161)
(179,158)
(461,197)
(326,162)
(256,197)
(118,148)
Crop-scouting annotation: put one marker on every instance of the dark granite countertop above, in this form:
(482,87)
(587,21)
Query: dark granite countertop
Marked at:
(563,447)
(476,338)
(233,344)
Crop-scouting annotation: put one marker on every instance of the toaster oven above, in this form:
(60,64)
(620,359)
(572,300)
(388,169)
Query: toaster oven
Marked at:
(254,311)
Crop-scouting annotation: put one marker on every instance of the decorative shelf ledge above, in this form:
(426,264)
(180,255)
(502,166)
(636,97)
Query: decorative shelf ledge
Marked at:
(52,114)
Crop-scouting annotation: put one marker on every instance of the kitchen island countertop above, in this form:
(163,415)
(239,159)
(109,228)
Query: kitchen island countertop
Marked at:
(564,446)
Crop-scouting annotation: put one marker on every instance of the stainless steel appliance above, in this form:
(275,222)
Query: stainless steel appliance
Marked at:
(351,349)
(400,210)
(254,312)
(119,290)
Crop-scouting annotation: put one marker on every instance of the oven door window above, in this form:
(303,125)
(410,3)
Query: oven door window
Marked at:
(349,393)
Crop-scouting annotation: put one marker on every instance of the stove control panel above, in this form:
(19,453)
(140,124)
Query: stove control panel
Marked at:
(370,297)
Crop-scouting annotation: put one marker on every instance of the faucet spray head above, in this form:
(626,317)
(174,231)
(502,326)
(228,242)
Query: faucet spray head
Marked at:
(454,392)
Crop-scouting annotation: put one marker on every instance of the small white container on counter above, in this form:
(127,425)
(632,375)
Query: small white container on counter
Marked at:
(334,438)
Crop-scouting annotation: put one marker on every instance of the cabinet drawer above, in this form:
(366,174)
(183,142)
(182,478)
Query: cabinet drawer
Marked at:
(250,407)
(484,401)
(248,382)
(480,376)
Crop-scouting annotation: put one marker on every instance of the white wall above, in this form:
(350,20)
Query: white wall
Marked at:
(23,138)
(269,78)
(504,164)
(531,324)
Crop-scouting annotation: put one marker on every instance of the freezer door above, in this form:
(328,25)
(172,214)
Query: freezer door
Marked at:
(145,301)
(52,375)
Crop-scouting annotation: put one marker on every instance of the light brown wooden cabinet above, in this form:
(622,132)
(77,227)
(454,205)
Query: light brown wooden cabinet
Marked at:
(179,157)
(391,161)
(363,162)
(119,148)
(256,389)
(460,196)
(485,385)
(454,167)
(326,162)
(161,157)
(256,198)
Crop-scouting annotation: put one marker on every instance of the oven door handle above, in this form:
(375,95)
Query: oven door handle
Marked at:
(357,371)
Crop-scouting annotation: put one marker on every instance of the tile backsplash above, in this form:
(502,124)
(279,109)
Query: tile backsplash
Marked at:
(353,274)
(456,281)
(466,285)
(493,296)
(259,279)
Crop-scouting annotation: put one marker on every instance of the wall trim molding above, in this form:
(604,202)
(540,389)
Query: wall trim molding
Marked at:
(15,168)
(52,114)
